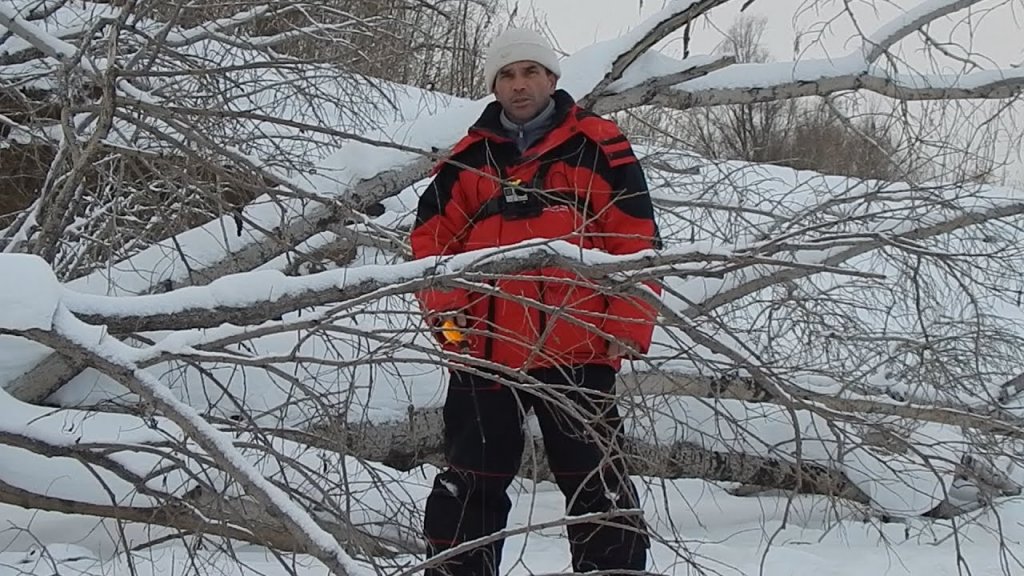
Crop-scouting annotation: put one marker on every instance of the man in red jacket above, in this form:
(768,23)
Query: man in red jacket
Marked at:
(536,166)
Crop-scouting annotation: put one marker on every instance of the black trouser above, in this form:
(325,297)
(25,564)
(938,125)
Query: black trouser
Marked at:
(483,439)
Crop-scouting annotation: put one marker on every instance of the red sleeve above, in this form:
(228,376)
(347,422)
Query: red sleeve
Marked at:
(628,225)
(439,230)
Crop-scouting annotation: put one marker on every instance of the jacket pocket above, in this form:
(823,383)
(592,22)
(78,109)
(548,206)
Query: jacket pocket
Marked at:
(575,311)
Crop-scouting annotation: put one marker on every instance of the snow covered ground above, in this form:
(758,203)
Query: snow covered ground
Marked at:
(703,530)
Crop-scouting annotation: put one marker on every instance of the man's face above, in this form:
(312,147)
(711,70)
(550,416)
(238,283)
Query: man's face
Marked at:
(523,89)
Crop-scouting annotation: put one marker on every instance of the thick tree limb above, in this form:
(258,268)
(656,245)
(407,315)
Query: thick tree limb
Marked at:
(417,440)
(986,85)
(148,313)
(44,379)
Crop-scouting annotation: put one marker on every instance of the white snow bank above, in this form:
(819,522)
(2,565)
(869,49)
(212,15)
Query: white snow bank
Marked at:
(699,528)
(29,292)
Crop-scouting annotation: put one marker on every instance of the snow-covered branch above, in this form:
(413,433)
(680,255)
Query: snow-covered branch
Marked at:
(642,38)
(624,95)
(258,296)
(36,36)
(742,87)
(916,18)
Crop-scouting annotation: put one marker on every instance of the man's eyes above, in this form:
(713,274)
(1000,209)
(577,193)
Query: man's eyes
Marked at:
(527,72)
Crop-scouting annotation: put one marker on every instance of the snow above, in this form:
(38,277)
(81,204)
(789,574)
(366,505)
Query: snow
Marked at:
(385,362)
(41,39)
(246,289)
(29,294)
(724,534)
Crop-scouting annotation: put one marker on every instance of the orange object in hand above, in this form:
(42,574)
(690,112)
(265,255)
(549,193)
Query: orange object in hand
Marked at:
(452,332)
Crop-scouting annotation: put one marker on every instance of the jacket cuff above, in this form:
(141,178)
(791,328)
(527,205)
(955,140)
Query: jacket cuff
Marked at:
(630,319)
(437,301)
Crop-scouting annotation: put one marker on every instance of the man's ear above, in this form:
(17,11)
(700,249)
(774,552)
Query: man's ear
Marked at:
(554,81)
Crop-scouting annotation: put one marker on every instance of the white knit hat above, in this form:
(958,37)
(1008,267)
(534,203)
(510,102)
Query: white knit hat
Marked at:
(515,45)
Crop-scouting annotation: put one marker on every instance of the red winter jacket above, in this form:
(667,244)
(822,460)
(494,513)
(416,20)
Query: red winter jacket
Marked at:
(599,200)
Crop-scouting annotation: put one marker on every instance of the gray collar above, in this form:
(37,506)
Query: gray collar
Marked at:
(528,133)
(537,122)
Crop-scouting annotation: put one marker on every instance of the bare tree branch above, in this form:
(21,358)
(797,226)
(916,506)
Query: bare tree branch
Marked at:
(311,536)
(198,511)
(656,28)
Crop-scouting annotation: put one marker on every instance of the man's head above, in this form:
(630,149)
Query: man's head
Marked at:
(522,70)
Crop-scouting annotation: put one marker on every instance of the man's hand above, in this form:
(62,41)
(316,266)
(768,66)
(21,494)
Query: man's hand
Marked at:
(621,348)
